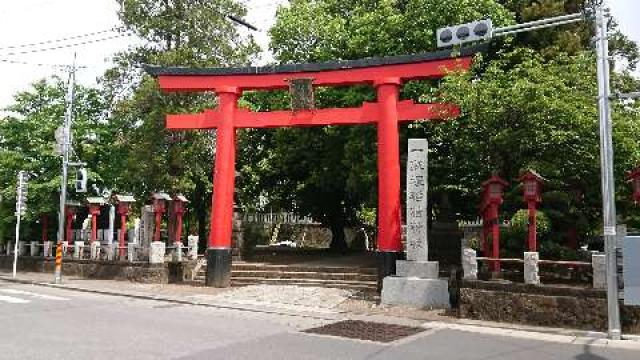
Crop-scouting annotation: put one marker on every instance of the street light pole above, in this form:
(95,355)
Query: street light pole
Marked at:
(65,147)
(606,161)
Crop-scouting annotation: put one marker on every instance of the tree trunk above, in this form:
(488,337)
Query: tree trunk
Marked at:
(338,241)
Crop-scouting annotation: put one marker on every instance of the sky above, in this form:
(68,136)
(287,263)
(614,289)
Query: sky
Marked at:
(31,21)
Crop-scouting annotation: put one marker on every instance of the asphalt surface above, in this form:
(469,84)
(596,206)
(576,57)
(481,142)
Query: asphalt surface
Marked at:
(52,323)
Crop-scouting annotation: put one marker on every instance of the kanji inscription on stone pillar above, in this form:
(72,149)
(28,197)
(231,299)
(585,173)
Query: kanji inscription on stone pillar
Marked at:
(417,186)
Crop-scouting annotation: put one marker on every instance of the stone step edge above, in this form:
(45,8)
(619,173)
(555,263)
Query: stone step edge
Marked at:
(319,281)
(344,269)
(301,273)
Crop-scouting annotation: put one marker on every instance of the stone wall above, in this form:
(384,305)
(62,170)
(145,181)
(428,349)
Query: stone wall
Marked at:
(543,305)
(142,272)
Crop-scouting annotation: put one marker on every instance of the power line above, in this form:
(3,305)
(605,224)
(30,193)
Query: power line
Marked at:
(20,62)
(20,46)
(66,46)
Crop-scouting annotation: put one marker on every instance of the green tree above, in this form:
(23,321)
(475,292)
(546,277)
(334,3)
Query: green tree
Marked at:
(330,172)
(27,142)
(174,33)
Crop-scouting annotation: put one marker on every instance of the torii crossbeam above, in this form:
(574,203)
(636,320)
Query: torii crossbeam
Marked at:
(386,74)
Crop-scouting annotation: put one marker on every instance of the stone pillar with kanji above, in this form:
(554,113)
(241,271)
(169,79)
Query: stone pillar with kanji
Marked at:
(416,282)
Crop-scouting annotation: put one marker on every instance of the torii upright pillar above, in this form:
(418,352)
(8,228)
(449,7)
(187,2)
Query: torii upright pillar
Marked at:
(389,210)
(219,252)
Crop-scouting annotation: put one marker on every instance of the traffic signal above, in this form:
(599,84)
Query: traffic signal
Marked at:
(460,34)
(81,180)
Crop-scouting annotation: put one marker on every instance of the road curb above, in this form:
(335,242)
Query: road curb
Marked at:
(599,339)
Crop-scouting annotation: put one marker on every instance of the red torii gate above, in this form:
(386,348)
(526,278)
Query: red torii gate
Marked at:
(386,74)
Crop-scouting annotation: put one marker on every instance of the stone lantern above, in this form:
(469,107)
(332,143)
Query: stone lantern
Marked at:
(532,188)
(124,206)
(493,190)
(160,200)
(634,179)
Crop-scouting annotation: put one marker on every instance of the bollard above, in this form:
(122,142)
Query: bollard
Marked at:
(469,264)
(599,266)
(531,275)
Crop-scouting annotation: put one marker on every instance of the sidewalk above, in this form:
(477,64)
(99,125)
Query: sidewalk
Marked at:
(318,303)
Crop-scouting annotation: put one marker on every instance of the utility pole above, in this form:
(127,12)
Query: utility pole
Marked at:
(483,30)
(606,168)
(21,208)
(65,148)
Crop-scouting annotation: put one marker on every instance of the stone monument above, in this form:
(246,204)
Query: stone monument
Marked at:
(416,282)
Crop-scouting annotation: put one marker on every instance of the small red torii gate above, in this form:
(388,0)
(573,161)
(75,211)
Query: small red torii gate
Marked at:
(386,74)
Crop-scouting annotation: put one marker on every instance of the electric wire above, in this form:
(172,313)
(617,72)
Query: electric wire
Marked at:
(53,41)
(66,46)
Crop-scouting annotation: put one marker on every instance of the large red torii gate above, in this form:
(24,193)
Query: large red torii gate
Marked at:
(386,74)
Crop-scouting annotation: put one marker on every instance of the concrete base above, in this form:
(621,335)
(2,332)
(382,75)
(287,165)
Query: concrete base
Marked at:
(156,252)
(386,265)
(218,267)
(424,293)
(421,269)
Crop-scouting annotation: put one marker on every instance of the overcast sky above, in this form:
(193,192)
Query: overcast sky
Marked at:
(30,21)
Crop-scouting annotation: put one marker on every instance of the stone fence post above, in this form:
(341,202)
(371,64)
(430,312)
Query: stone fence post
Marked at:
(599,266)
(156,252)
(469,264)
(192,242)
(531,275)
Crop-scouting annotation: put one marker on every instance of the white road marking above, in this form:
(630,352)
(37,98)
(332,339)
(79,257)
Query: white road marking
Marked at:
(12,300)
(32,294)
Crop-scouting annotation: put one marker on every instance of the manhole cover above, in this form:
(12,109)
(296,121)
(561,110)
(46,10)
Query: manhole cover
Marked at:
(364,330)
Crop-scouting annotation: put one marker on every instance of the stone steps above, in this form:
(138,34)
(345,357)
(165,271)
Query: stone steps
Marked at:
(240,266)
(354,285)
(354,278)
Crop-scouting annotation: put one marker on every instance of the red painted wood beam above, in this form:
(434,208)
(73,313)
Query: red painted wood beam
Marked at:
(367,114)
(426,70)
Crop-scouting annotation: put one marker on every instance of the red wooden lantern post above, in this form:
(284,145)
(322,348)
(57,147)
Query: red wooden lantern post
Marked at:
(532,188)
(494,188)
(124,205)
(94,209)
(159,207)
(634,178)
(70,213)
(179,208)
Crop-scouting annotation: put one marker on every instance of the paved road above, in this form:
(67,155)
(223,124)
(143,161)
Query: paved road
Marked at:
(48,323)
